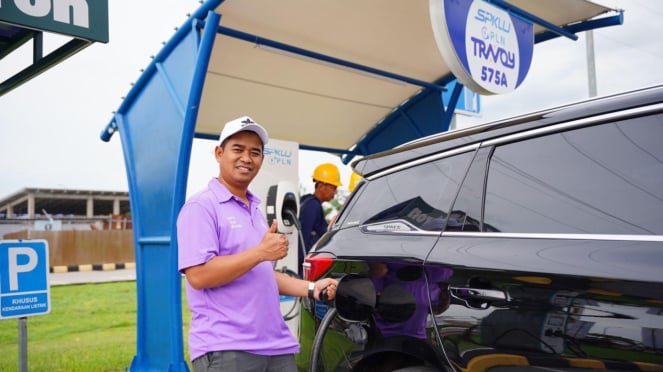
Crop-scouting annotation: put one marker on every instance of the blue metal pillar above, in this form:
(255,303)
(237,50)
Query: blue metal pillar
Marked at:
(157,123)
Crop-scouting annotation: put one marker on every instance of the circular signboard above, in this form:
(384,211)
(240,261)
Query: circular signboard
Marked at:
(486,48)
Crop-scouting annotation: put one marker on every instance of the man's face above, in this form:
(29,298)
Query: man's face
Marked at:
(328,191)
(240,159)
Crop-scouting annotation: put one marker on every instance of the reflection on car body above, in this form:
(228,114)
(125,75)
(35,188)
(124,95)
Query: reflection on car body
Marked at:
(530,245)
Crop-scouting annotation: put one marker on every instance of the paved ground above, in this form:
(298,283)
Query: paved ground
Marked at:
(80,277)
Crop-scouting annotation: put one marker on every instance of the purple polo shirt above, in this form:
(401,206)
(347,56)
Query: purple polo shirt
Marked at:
(245,314)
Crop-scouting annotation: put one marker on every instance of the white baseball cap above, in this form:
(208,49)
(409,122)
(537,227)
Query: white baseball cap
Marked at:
(241,124)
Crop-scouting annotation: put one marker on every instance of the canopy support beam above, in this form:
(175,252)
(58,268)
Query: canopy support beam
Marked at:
(559,31)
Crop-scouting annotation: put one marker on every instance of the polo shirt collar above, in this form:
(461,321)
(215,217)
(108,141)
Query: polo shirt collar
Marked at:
(222,194)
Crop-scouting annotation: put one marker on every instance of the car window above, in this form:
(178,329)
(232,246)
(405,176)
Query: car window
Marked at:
(605,179)
(420,195)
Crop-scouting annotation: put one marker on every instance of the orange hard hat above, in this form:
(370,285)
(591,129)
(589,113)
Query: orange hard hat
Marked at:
(354,179)
(327,173)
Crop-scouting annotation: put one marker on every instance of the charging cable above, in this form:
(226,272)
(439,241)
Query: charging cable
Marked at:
(295,221)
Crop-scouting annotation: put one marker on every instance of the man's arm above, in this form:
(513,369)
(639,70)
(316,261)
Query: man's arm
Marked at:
(291,286)
(221,270)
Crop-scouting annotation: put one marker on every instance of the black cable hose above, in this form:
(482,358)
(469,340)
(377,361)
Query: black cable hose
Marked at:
(319,337)
(300,241)
(295,221)
(331,312)
(290,315)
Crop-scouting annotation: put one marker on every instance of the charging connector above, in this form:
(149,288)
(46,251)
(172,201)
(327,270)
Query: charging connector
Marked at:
(283,205)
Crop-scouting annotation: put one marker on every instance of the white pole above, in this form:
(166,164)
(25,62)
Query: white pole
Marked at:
(591,67)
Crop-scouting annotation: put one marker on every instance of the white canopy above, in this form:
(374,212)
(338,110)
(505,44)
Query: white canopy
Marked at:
(320,104)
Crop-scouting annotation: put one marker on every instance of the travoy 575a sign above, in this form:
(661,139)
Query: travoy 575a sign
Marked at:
(83,19)
(486,48)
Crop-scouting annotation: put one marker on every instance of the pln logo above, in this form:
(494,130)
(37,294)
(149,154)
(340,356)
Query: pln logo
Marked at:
(279,157)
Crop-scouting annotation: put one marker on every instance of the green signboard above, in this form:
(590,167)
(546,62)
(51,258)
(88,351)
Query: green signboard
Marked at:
(82,19)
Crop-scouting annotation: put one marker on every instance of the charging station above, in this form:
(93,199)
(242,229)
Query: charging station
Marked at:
(277,187)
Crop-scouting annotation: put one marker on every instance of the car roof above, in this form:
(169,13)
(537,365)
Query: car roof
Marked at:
(426,146)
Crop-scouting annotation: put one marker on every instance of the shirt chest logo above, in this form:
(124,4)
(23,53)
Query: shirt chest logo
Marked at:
(233,223)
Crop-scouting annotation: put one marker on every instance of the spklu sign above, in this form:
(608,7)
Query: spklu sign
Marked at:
(486,48)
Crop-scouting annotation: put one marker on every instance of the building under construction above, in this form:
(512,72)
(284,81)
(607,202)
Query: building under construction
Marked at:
(85,229)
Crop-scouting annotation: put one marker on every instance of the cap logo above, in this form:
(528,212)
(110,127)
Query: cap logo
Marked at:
(246,122)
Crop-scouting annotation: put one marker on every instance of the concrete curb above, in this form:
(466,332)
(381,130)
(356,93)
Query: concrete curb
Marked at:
(91,267)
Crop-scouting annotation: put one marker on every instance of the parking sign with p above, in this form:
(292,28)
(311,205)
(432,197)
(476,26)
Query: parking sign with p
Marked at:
(24,287)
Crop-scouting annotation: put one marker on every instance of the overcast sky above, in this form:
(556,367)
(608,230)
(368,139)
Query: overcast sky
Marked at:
(51,125)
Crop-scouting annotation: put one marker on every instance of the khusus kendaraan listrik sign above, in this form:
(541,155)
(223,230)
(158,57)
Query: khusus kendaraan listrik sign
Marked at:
(487,49)
(24,286)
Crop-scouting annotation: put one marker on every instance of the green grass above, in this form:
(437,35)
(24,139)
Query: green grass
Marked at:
(91,327)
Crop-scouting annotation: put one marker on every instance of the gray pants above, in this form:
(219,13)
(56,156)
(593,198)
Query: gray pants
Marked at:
(244,362)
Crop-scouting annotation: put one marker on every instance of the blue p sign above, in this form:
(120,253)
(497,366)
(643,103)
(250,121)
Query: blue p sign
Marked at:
(24,288)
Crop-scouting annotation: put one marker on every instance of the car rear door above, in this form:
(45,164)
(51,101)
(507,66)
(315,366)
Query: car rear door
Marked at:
(555,250)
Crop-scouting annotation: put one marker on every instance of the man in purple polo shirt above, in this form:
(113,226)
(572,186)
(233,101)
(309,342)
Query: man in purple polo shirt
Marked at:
(226,252)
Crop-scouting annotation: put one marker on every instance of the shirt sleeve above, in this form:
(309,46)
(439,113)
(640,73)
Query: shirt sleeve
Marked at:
(197,237)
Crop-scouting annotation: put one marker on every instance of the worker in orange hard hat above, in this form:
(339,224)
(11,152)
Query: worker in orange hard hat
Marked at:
(354,180)
(326,179)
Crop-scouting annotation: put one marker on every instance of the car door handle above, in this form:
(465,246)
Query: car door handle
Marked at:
(479,298)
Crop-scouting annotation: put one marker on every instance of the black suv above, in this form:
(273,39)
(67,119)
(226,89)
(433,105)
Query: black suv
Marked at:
(529,244)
